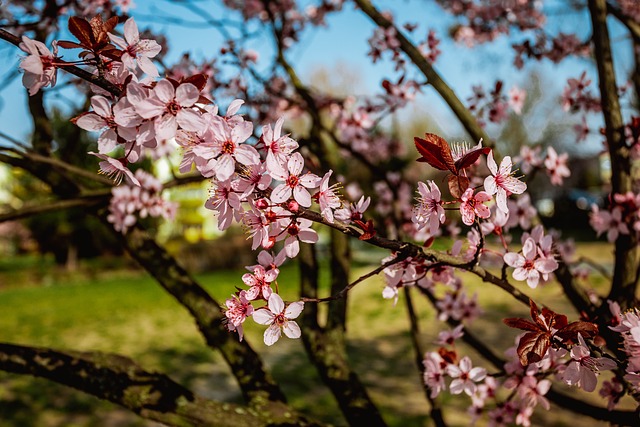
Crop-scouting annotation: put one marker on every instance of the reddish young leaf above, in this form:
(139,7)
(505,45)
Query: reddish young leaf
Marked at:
(436,152)
(110,24)
(457,185)
(198,80)
(82,30)
(69,45)
(448,356)
(368,229)
(518,323)
(569,333)
(532,347)
(471,157)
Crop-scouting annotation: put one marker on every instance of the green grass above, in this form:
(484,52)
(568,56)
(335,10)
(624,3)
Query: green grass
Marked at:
(124,311)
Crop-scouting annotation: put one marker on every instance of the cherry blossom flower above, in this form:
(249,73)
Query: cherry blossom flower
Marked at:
(609,221)
(517,97)
(279,318)
(502,182)
(39,66)
(448,337)
(530,266)
(429,210)
(465,376)
(556,166)
(260,282)
(294,183)
(226,202)
(170,107)
(532,391)
(612,391)
(327,197)
(521,212)
(115,169)
(238,309)
(117,121)
(297,231)
(434,373)
(583,369)
(137,50)
(529,158)
(279,147)
(354,211)
(473,205)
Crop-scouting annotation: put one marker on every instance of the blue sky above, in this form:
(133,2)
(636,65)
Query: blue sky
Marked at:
(345,41)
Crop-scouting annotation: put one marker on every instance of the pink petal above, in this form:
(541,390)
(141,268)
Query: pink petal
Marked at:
(295,164)
(272,334)
(292,330)
(262,316)
(276,305)
(294,309)
(131,33)
(187,94)
(281,193)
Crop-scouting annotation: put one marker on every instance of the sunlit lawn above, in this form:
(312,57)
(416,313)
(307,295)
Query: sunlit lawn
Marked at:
(123,311)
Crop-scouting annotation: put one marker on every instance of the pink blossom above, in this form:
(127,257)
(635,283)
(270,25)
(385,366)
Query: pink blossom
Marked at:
(279,147)
(529,158)
(556,166)
(429,210)
(170,107)
(238,309)
(609,221)
(532,391)
(294,183)
(115,169)
(583,369)
(39,66)
(448,337)
(259,282)
(298,230)
(118,122)
(521,212)
(354,211)
(465,376)
(502,183)
(530,266)
(517,97)
(279,318)
(434,373)
(137,50)
(473,205)
(226,202)
(327,198)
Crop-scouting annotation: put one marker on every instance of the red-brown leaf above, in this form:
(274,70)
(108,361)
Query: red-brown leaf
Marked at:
(471,157)
(532,347)
(435,151)
(111,24)
(69,45)
(457,185)
(518,323)
(198,80)
(81,29)
(569,333)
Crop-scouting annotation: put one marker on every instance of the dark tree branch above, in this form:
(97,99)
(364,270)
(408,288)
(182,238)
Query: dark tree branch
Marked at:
(436,410)
(71,69)
(627,254)
(626,418)
(24,212)
(151,395)
(433,78)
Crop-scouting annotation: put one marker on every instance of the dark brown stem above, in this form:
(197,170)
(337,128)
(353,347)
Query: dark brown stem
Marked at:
(24,212)
(436,411)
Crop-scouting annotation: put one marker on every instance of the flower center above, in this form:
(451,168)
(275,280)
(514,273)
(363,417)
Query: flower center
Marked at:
(293,181)
(228,147)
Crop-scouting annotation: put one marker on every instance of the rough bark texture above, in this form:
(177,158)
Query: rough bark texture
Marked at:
(151,395)
(627,254)
(326,350)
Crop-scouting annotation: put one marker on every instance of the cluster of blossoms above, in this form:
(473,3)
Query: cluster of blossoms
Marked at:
(142,199)
(552,348)
(262,182)
(622,216)
(487,20)
(555,165)
(494,106)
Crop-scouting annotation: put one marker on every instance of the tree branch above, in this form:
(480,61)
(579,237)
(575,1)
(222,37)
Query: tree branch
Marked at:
(151,395)
(433,78)
(627,254)
(85,201)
